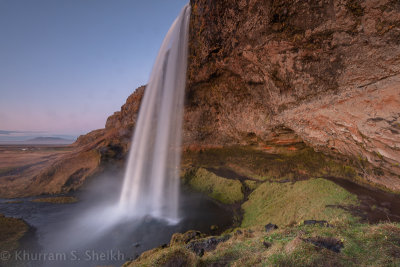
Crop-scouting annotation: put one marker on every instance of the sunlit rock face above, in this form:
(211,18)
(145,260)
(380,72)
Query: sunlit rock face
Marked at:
(329,70)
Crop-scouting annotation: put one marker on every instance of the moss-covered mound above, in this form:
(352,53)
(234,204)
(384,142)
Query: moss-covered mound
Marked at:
(224,190)
(11,231)
(290,203)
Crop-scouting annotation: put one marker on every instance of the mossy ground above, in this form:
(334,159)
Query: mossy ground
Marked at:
(171,256)
(277,183)
(221,189)
(11,231)
(56,200)
(363,245)
(290,203)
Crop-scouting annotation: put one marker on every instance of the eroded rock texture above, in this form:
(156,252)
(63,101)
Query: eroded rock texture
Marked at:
(329,70)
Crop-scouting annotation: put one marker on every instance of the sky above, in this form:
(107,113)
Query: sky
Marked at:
(66,65)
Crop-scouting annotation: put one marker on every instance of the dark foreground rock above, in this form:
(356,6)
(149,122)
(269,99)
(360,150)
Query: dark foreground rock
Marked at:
(270,227)
(208,244)
(185,238)
(326,242)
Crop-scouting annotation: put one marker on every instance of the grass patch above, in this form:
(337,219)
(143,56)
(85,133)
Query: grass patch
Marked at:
(363,245)
(11,231)
(224,190)
(56,200)
(171,256)
(287,203)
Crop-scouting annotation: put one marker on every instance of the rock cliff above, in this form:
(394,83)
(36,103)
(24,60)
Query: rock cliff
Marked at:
(329,70)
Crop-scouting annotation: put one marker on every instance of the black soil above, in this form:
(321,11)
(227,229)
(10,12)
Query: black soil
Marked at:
(376,205)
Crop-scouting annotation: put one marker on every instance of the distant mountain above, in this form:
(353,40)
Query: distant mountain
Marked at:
(7,132)
(11,137)
(49,140)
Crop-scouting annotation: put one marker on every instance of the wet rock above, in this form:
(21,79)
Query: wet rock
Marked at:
(208,244)
(270,227)
(136,245)
(330,243)
(239,232)
(314,222)
(267,244)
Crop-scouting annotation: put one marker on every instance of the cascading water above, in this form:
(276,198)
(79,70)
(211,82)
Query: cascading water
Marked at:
(151,182)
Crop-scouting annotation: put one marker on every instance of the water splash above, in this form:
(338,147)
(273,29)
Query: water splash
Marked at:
(151,182)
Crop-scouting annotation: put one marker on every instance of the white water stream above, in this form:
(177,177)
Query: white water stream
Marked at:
(151,182)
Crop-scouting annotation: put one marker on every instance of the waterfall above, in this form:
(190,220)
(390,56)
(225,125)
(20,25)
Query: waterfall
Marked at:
(151,182)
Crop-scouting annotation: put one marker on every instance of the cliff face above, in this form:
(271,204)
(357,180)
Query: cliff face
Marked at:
(329,70)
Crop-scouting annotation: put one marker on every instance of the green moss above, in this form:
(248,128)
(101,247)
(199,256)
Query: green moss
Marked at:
(375,245)
(170,256)
(11,231)
(232,252)
(224,190)
(286,203)
(56,200)
(364,245)
(349,171)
